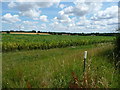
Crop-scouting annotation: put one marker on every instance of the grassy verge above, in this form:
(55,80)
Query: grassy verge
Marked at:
(59,67)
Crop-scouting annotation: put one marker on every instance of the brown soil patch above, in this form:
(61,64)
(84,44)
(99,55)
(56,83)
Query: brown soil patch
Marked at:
(29,33)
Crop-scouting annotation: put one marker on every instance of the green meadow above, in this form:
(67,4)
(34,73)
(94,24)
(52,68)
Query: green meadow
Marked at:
(53,61)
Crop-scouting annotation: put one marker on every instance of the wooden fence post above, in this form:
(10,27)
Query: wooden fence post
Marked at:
(85,57)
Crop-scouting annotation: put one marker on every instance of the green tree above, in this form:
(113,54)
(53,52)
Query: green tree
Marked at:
(33,31)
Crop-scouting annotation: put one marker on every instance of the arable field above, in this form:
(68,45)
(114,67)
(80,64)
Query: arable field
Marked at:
(57,62)
(12,42)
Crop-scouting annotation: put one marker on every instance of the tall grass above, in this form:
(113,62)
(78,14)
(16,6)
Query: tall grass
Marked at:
(59,68)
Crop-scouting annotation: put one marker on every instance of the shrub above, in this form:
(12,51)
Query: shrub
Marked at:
(33,31)
(117,51)
(8,32)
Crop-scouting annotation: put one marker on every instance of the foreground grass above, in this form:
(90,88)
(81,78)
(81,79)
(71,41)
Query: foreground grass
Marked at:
(52,68)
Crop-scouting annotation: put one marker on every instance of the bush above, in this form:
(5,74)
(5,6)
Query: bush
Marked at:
(38,31)
(8,32)
(117,50)
(33,31)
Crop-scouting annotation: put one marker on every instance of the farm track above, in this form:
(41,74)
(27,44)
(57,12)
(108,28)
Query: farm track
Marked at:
(31,33)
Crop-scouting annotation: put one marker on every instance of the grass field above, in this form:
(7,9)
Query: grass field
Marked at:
(59,67)
(15,42)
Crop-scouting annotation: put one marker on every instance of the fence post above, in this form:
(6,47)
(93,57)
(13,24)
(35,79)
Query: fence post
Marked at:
(85,57)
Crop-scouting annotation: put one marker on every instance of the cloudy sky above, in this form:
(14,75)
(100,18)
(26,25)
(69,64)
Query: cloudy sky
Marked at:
(60,16)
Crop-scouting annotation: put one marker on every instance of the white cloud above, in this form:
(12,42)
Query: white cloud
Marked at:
(83,21)
(36,18)
(111,12)
(31,13)
(64,18)
(31,9)
(82,8)
(12,4)
(67,10)
(100,23)
(10,18)
(97,0)
(44,18)
(60,0)
(58,27)
(27,9)
(114,21)
(30,25)
(29,22)
(44,4)
(82,24)
(55,19)
(71,25)
(43,26)
(106,19)
(62,6)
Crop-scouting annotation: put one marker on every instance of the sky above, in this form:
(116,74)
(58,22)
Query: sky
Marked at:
(78,16)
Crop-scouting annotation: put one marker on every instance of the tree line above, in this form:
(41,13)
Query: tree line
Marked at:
(66,33)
